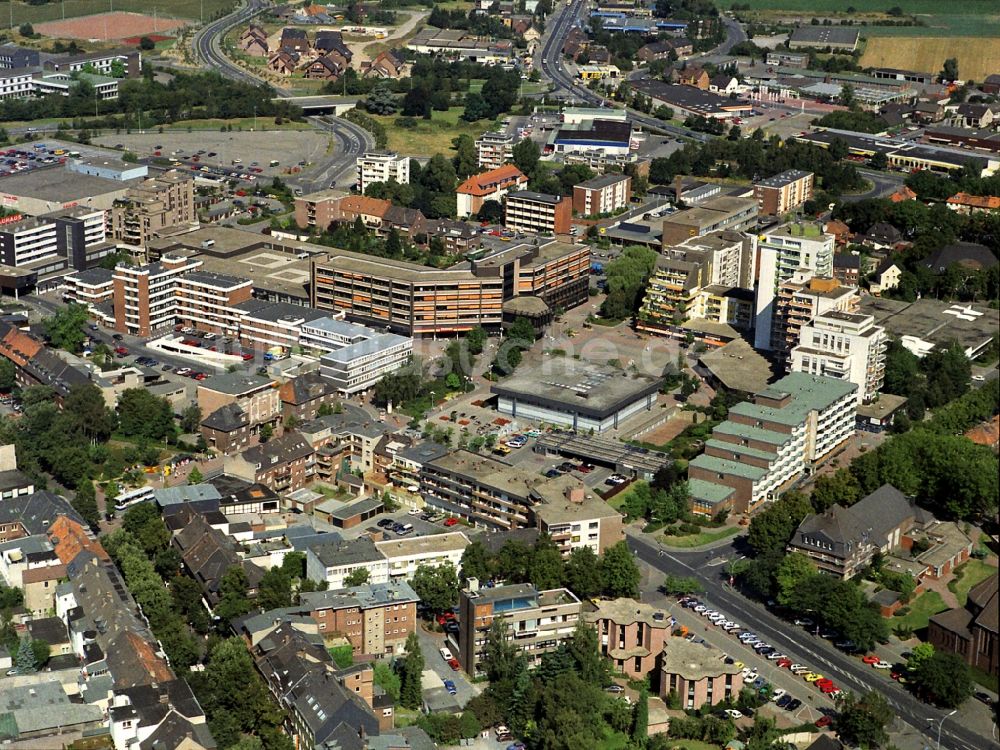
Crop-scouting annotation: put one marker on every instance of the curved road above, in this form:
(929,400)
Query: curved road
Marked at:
(847,670)
(353,140)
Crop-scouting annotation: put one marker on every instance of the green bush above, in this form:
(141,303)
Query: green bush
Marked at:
(649,528)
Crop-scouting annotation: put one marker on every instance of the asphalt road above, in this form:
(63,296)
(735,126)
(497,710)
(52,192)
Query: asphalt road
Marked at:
(352,140)
(551,62)
(845,670)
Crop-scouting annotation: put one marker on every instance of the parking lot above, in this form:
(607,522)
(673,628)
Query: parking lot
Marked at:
(248,156)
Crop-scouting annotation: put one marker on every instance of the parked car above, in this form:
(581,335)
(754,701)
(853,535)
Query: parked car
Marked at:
(823,721)
(449,685)
(445,654)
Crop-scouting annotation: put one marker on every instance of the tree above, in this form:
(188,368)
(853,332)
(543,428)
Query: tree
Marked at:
(195,476)
(862,721)
(640,720)
(8,375)
(466,159)
(386,679)
(40,651)
(275,589)
(791,572)
(85,503)
(141,414)
(583,573)
(88,413)
(475,340)
(168,563)
(944,679)
(24,663)
(918,655)
(491,211)
(26,29)
(437,586)
(475,562)
(841,488)
(146,44)
(65,328)
(476,107)
(234,601)
(357,577)
(381,100)
(526,155)
(950,70)
(411,674)
(191,419)
(619,572)
(847,95)
(773,527)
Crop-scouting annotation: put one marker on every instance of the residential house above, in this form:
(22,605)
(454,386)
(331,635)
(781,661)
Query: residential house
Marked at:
(283,62)
(284,463)
(161,715)
(324,68)
(991,84)
(294,41)
(964,203)
(207,554)
(697,675)
(842,541)
(847,268)
(376,618)
(253,41)
(29,515)
(387,64)
(883,236)
(655,52)
(972,631)
(488,186)
(886,277)
(333,562)
(302,396)
(694,75)
(237,406)
(724,83)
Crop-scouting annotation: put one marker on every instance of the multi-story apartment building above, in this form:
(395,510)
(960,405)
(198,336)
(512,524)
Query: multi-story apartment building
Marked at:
(318,210)
(145,297)
(537,621)
(90,287)
(82,236)
(382,166)
(493,150)
(284,464)
(333,562)
(574,518)
(29,243)
(783,192)
(418,300)
(632,634)
(265,325)
(801,299)
(479,489)
(17,84)
(257,396)
(208,301)
(602,195)
(488,186)
(713,215)
(766,443)
(376,617)
(703,278)
(159,203)
(847,346)
(404,556)
(528,211)
(781,253)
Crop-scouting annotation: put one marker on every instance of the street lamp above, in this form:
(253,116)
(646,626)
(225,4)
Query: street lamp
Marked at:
(940,725)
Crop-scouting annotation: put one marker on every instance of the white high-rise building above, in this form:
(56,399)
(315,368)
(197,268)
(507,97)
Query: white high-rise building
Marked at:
(382,166)
(846,346)
(782,253)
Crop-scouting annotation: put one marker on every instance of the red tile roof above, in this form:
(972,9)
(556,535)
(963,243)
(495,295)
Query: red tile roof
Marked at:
(486,183)
(988,202)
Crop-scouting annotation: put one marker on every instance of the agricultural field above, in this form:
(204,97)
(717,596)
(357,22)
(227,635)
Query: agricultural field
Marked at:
(53,11)
(977,57)
(108,26)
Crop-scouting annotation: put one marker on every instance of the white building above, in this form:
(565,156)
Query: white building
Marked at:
(382,166)
(782,252)
(333,562)
(846,346)
(493,150)
(16,84)
(355,357)
(405,555)
(29,241)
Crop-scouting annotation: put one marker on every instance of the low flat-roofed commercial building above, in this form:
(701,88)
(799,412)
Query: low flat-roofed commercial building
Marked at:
(109,169)
(738,367)
(359,365)
(47,189)
(926,324)
(577,395)
(537,621)
(690,101)
(632,634)
(605,137)
(697,675)
(766,443)
(783,192)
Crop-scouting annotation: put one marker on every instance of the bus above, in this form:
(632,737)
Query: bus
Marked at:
(133,497)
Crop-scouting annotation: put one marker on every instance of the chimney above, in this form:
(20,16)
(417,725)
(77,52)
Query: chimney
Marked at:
(678,188)
(575,494)
(472,583)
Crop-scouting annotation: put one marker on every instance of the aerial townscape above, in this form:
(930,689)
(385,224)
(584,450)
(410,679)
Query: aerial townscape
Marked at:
(499,374)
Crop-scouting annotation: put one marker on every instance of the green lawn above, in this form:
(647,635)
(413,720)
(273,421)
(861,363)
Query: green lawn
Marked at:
(967,576)
(910,7)
(244,123)
(706,537)
(434,136)
(927,604)
(73,8)
(692,745)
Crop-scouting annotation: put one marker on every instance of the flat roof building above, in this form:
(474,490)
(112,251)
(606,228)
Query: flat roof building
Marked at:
(697,675)
(783,192)
(714,215)
(528,211)
(574,394)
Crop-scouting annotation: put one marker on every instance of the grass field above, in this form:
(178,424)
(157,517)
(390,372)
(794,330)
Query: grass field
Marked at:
(705,537)
(24,13)
(967,576)
(243,123)
(432,136)
(927,604)
(977,57)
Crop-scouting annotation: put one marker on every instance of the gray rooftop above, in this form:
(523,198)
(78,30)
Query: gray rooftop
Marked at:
(531,195)
(785,178)
(236,383)
(353,552)
(58,185)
